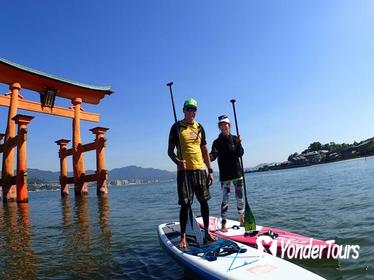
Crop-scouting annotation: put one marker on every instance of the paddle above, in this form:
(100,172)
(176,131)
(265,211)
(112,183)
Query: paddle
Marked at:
(193,223)
(249,218)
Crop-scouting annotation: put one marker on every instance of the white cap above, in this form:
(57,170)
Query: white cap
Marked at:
(223,118)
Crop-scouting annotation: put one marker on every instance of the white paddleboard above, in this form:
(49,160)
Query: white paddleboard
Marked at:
(226,259)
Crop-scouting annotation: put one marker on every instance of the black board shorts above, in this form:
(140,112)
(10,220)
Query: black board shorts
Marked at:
(197,183)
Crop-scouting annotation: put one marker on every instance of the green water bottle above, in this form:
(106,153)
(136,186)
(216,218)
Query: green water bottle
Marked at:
(249,221)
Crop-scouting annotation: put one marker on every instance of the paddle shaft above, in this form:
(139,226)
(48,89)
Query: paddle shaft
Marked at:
(179,148)
(240,158)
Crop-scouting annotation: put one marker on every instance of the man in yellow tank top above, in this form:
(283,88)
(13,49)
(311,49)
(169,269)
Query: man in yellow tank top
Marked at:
(190,135)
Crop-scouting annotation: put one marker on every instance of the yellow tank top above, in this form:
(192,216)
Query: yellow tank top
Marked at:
(192,136)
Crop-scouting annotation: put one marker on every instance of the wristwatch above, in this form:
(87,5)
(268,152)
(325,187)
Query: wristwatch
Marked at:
(210,170)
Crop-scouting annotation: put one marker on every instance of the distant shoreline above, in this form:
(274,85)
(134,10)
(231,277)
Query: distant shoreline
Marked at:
(55,188)
(310,164)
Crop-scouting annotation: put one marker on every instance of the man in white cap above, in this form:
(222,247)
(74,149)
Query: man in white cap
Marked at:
(228,149)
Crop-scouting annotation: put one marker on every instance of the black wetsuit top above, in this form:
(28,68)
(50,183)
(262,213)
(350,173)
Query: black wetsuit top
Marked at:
(228,151)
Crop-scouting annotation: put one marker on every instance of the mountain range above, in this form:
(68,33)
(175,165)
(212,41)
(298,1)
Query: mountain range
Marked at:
(128,172)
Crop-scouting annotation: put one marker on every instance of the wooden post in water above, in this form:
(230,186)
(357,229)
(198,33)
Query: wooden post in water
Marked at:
(63,166)
(78,159)
(9,186)
(2,135)
(22,193)
(101,171)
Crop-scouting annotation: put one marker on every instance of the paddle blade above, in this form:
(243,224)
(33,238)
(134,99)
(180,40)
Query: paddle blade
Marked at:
(249,220)
(193,229)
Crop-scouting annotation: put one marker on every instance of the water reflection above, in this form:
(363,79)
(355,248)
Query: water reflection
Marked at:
(15,235)
(87,236)
(66,210)
(82,234)
(78,245)
(103,211)
(105,235)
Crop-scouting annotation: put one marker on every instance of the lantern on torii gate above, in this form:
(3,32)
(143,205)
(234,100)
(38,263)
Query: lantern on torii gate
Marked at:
(49,86)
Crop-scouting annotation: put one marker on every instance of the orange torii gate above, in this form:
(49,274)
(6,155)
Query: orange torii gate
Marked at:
(49,86)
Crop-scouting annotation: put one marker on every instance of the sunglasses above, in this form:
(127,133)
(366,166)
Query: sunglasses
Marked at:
(189,109)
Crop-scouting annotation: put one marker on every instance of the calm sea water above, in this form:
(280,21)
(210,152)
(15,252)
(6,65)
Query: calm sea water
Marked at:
(116,237)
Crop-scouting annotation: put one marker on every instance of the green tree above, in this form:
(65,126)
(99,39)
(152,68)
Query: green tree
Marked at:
(326,147)
(315,146)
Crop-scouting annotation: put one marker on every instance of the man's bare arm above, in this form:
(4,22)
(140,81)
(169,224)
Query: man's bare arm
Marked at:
(206,158)
(173,156)
(204,150)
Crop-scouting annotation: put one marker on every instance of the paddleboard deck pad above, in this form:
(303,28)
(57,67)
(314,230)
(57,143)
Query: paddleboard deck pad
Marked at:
(283,240)
(227,259)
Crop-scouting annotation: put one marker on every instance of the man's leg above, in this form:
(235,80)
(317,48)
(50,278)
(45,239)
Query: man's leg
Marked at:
(183,214)
(204,208)
(183,201)
(202,193)
(225,204)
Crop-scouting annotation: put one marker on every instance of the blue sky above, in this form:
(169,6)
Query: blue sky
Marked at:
(301,71)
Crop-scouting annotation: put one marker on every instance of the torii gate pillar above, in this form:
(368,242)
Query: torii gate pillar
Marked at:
(22,121)
(78,160)
(101,171)
(9,186)
(63,166)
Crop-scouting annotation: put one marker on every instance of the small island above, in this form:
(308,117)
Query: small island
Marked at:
(318,153)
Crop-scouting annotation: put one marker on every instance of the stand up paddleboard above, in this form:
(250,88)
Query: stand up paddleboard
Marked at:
(226,259)
(299,243)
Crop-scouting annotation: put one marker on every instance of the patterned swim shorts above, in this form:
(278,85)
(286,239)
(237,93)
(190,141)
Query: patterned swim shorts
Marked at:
(197,183)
